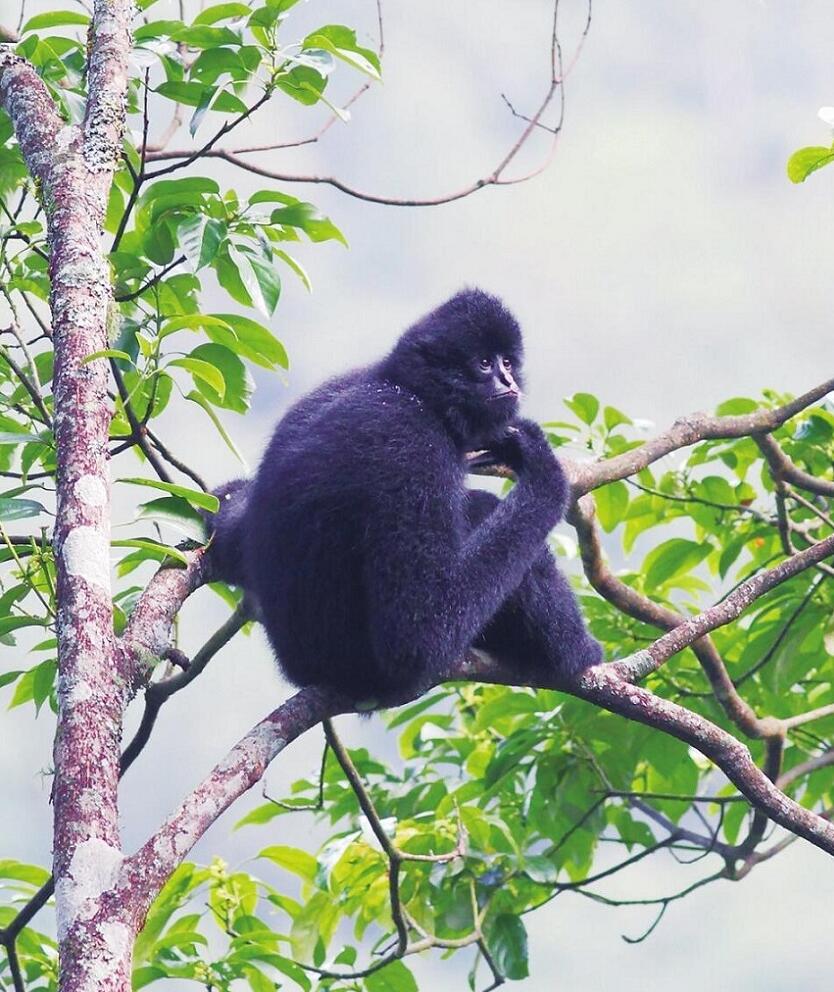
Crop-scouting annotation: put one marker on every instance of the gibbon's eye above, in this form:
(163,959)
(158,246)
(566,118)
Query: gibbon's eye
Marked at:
(485,364)
(507,363)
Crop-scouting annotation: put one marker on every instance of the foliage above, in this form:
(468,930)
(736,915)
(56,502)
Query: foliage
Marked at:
(806,160)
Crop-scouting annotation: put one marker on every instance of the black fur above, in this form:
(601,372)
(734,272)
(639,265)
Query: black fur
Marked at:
(371,563)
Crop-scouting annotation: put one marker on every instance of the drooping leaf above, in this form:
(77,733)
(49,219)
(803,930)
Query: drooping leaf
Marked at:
(196,497)
(19,509)
(507,940)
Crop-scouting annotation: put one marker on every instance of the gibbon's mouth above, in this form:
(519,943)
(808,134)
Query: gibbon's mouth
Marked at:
(507,394)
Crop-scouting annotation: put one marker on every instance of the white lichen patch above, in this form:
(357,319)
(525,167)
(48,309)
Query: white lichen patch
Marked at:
(65,137)
(74,691)
(117,940)
(93,870)
(163,849)
(89,801)
(273,744)
(91,490)
(87,554)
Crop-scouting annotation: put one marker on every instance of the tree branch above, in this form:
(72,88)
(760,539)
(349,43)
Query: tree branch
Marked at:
(494,178)
(603,685)
(583,517)
(650,659)
(146,637)
(687,431)
(784,470)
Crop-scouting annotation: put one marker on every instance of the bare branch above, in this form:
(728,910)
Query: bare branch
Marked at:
(27,101)
(805,768)
(104,116)
(147,634)
(147,870)
(159,692)
(495,178)
(367,807)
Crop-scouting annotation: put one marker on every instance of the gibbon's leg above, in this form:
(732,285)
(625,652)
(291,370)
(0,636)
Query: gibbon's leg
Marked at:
(539,626)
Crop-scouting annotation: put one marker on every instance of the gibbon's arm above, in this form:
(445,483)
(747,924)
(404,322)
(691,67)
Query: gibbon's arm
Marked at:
(431,586)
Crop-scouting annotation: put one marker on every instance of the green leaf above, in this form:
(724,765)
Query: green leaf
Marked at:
(292,859)
(272,196)
(192,322)
(259,278)
(341,42)
(226,265)
(221,12)
(394,977)
(296,266)
(54,19)
(737,405)
(43,681)
(291,970)
(192,94)
(237,383)
(268,283)
(214,62)
(409,712)
(673,558)
(807,160)
(307,217)
(18,509)
(204,36)
(612,417)
(255,341)
(158,550)
(203,371)
(179,188)
(145,975)
(35,685)
(156,29)
(191,231)
(20,872)
(507,941)
(8,624)
(258,981)
(540,869)
(196,497)
(202,108)
(10,437)
(107,353)
(584,405)
(175,510)
(612,504)
(303,84)
(260,815)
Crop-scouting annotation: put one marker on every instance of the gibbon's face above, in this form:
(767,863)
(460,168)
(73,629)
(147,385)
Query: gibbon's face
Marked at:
(464,361)
(494,383)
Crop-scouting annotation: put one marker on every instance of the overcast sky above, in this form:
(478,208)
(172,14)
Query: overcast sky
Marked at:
(663,261)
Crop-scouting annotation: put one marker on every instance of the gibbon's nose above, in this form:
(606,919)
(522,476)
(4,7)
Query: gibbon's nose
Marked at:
(503,382)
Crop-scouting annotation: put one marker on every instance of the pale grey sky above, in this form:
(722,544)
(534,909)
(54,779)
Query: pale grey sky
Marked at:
(663,261)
